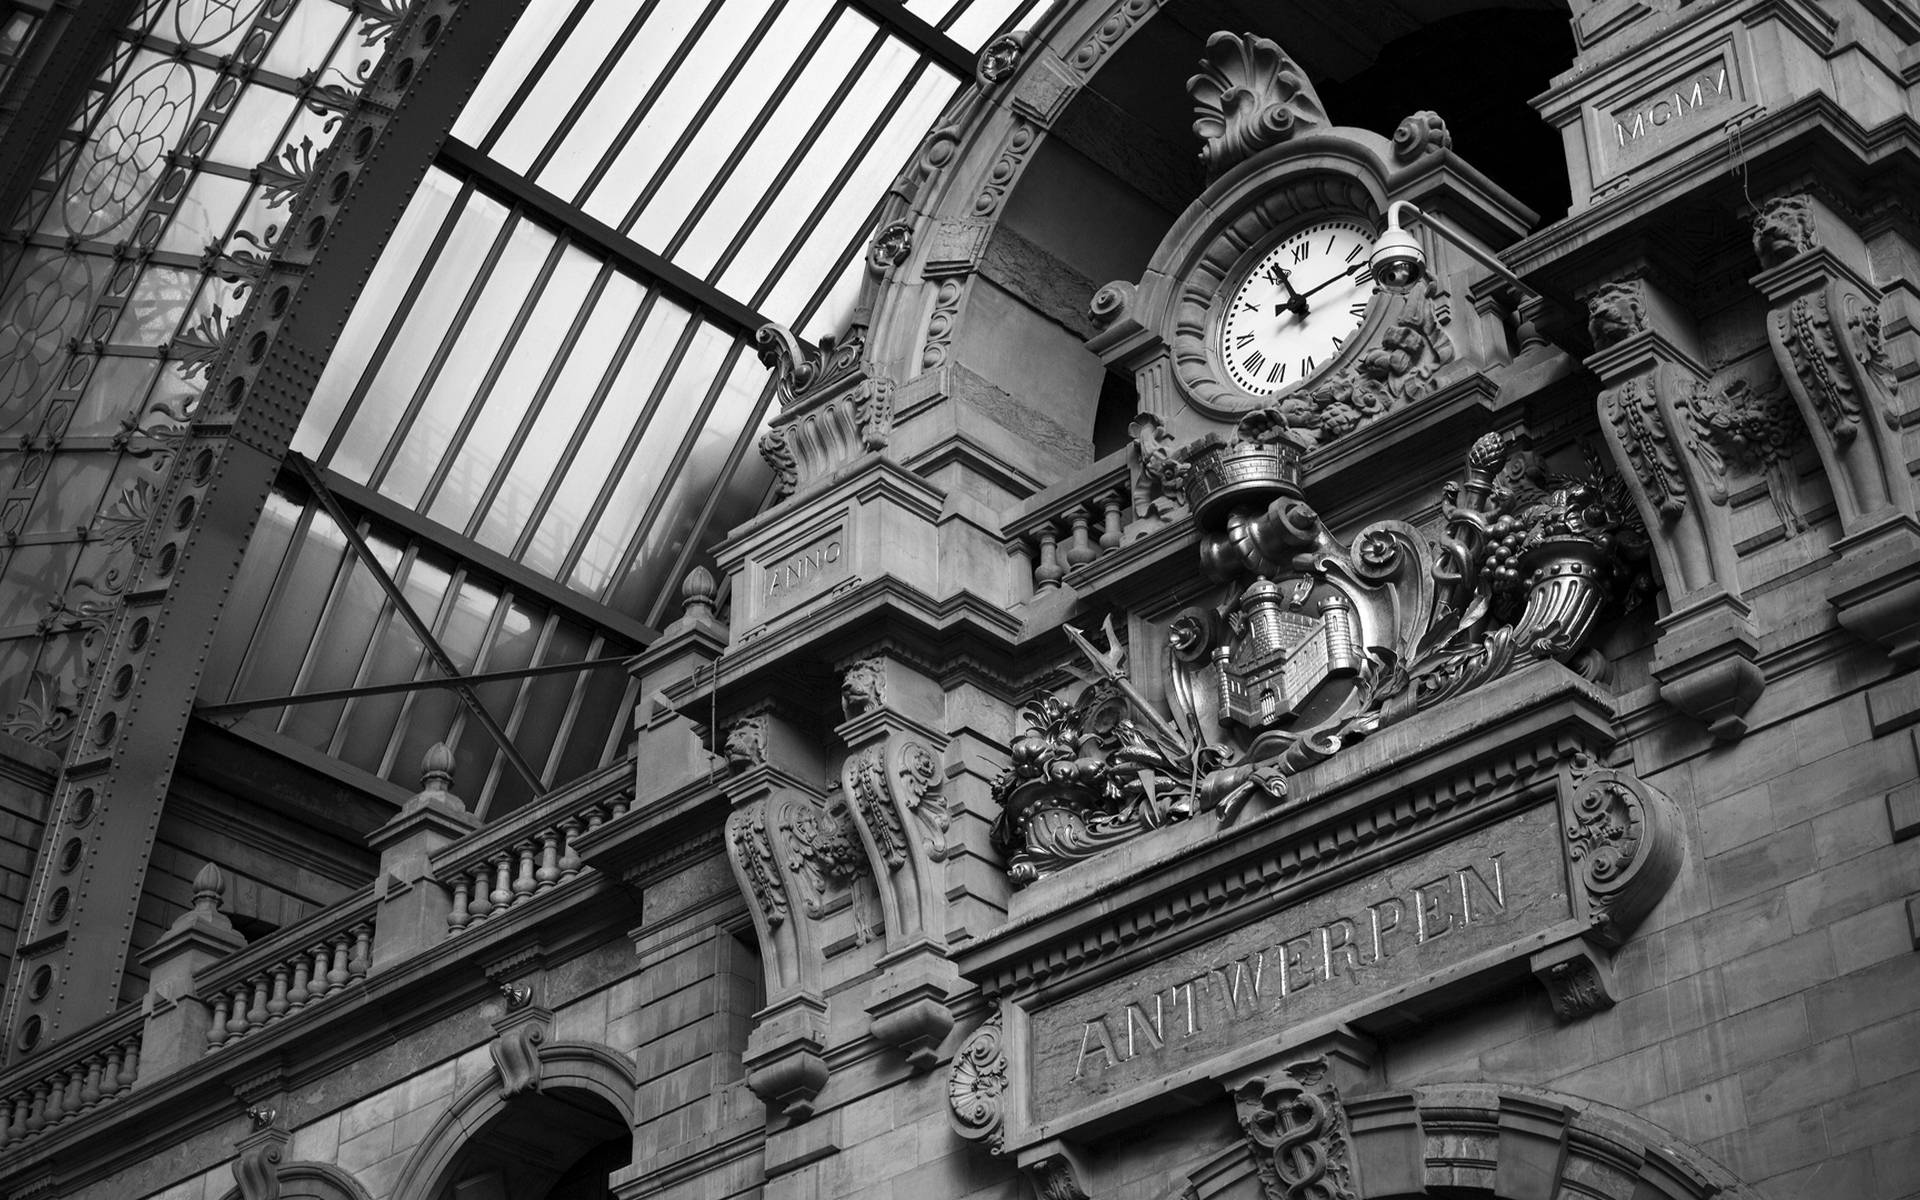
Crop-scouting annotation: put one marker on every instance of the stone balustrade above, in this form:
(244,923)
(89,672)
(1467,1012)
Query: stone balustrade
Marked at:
(99,1067)
(1065,528)
(288,972)
(530,853)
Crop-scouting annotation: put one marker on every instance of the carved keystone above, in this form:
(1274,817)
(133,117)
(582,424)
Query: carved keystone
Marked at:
(518,1035)
(257,1167)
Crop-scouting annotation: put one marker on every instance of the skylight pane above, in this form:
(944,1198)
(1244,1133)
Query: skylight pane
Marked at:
(531,35)
(546,106)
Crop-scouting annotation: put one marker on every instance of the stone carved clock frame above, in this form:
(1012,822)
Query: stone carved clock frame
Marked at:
(1163,329)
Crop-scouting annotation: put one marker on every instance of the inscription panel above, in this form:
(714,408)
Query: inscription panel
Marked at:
(1690,102)
(788,578)
(1420,917)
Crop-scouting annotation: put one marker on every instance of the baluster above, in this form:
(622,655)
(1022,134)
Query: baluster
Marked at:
(596,817)
(299,993)
(37,1108)
(524,882)
(237,1023)
(90,1087)
(502,893)
(337,974)
(320,985)
(569,858)
(217,1029)
(1047,571)
(130,1066)
(362,950)
(17,1122)
(482,905)
(56,1098)
(110,1084)
(257,1014)
(549,872)
(1110,531)
(75,1077)
(1081,552)
(458,918)
(277,998)
(619,806)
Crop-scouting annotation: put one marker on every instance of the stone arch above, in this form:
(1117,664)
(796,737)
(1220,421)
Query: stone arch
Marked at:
(1484,1139)
(597,1070)
(313,1181)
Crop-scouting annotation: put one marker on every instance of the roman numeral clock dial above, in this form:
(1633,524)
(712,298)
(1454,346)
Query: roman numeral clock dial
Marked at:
(1296,309)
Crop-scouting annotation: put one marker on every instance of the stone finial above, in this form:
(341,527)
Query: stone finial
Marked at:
(209,893)
(436,782)
(697,591)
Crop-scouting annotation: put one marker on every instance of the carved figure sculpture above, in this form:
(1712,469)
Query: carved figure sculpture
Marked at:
(1614,312)
(1782,229)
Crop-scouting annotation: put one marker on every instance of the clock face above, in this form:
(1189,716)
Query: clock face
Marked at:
(1295,310)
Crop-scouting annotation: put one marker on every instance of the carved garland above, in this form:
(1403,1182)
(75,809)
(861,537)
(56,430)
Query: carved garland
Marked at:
(1633,409)
(753,850)
(1805,328)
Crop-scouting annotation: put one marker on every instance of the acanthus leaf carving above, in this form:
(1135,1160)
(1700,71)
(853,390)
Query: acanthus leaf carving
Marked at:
(924,795)
(1249,95)
(976,1084)
(865,776)
(752,850)
(1296,1130)
(1157,476)
(1621,838)
(825,851)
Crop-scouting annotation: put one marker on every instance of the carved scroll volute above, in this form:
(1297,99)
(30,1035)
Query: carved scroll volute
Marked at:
(261,1154)
(518,1035)
(1645,355)
(1823,323)
(1248,96)
(789,940)
(1623,848)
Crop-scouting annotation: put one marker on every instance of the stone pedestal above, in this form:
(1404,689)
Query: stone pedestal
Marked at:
(413,904)
(176,1030)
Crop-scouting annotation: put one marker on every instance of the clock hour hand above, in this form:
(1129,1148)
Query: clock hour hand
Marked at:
(1295,303)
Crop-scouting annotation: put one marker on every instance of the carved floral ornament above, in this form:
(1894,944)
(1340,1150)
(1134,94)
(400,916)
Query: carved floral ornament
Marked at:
(1249,95)
(1311,643)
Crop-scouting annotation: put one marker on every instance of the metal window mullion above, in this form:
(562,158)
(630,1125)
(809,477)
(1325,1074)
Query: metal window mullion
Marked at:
(419,627)
(425,683)
(441,353)
(539,402)
(412,524)
(570,122)
(511,109)
(342,574)
(564,731)
(622,723)
(927,40)
(660,385)
(276,591)
(403,722)
(672,472)
(585,423)
(715,94)
(644,106)
(669,596)
(603,239)
(502,606)
(382,622)
(747,137)
(515,715)
(437,478)
(391,334)
(801,148)
(833,190)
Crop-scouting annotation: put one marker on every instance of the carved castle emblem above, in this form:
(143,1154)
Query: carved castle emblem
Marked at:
(1311,643)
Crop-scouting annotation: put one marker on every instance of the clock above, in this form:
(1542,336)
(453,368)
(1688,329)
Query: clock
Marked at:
(1295,305)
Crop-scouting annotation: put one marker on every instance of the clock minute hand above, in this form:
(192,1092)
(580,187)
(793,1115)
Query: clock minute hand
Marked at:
(1329,282)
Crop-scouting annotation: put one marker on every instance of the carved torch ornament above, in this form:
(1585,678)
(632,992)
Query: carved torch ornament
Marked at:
(1311,643)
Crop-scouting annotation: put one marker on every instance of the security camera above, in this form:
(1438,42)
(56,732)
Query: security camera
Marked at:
(1397,260)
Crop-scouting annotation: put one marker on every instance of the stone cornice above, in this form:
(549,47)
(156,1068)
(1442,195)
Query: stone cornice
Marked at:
(1428,778)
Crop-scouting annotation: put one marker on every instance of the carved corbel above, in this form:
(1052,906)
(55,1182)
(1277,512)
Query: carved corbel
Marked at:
(1706,658)
(1579,981)
(977,1084)
(894,779)
(1623,848)
(518,1033)
(1823,322)
(261,1153)
(1057,1171)
(1296,1131)
(773,770)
